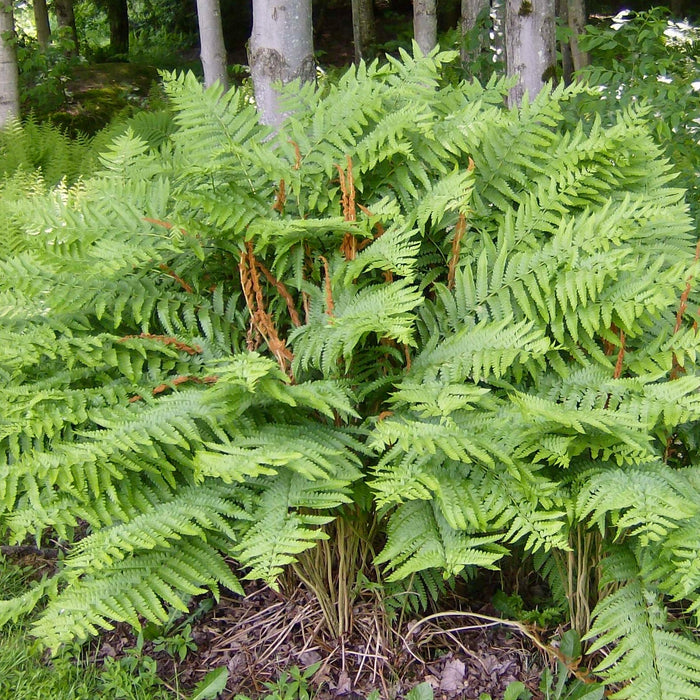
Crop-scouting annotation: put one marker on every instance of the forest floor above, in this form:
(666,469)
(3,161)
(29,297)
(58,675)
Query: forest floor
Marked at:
(258,636)
(462,648)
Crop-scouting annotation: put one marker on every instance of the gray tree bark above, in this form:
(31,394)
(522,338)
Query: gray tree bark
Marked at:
(211,41)
(530,46)
(577,22)
(66,18)
(280,50)
(363,28)
(471,11)
(425,24)
(41,20)
(9,90)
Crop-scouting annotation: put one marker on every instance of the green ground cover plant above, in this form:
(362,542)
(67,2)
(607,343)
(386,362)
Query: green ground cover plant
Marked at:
(409,334)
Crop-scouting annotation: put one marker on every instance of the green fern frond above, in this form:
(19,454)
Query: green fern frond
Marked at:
(321,453)
(647,501)
(282,525)
(191,513)
(136,587)
(385,310)
(481,351)
(653,659)
(418,538)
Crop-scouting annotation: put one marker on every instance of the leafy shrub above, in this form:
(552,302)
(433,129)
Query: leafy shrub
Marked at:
(647,57)
(44,74)
(472,327)
(158,47)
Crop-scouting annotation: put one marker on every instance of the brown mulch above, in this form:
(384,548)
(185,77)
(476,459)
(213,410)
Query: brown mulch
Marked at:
(258,636)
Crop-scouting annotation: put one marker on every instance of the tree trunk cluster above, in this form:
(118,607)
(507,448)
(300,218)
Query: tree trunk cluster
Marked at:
(530,46)
(425,24)
(521,32)
(65,18)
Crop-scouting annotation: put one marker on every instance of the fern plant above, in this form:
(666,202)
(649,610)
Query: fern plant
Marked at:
(473,325)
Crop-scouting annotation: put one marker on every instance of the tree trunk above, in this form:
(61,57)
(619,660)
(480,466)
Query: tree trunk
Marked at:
(118,15)
(577,23)
(472,45)
(363,29)
(9,91)
(425,24)
(567,64)
(41,19)
(530,46)
(66,18)
(211,41)
(280,49)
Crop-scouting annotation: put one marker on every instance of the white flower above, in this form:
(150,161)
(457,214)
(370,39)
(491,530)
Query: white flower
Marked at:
(620,19)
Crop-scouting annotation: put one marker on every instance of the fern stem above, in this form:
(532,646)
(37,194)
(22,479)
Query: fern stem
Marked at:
(284,293)
(460,228)
(330,306)
(281,198)
(620,357)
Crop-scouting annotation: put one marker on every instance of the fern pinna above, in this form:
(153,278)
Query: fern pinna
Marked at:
(484,316)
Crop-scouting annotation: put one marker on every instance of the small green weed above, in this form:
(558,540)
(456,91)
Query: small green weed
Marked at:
(515,691)
(560,685)
(293,684)
(131,677)
(513,607)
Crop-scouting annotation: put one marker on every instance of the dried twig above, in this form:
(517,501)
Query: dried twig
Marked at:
(255,300)
(676,369)
(297,154)
(347,188)
(166,340)
(281,198)
(489,621)
(177,278)
(620,357)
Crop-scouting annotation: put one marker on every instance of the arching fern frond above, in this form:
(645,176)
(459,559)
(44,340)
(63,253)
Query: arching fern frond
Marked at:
(419,539)
(653,659)
(135,587)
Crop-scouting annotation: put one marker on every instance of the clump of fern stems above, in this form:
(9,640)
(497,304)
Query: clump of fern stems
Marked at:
(473,326)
